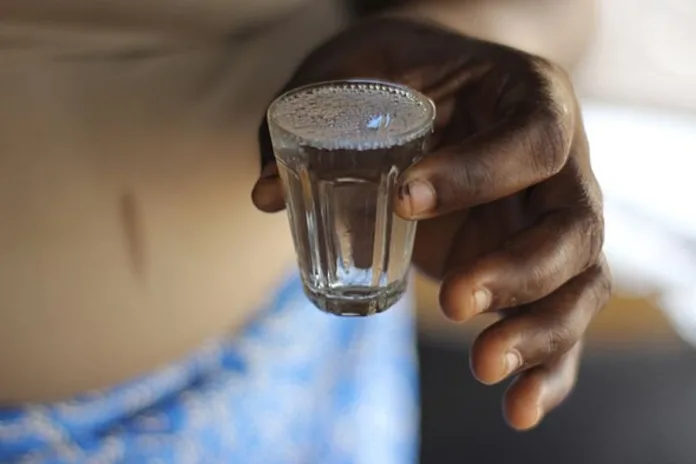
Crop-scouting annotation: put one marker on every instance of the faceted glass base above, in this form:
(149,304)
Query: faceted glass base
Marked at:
(357,301)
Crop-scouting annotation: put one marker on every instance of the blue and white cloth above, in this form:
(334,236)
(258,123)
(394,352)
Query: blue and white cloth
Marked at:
(295,386)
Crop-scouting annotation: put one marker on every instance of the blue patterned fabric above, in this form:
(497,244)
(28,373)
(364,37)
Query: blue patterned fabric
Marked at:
(296,386)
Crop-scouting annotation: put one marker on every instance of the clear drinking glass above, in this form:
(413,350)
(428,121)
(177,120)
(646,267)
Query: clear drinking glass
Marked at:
(340,148)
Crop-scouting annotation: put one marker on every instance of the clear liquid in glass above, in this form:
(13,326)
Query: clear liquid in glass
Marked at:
(353,251)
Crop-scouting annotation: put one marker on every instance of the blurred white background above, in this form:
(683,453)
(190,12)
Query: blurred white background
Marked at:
(637,84)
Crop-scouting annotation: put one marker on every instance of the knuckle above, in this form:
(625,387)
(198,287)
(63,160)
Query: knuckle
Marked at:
(547,67)
(597,286)
(595,238)
(555,119)
(551,144)
(603,287)
(591,231)
(559,339)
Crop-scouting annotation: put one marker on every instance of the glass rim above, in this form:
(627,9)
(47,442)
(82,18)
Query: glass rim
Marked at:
(418,130)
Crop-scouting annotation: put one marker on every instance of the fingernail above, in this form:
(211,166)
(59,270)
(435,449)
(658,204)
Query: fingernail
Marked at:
(420,196)
(482,300)
(513,361)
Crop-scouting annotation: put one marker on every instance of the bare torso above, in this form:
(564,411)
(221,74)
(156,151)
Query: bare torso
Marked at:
(126,162)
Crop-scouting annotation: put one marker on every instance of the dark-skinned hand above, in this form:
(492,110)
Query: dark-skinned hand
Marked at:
(510,212)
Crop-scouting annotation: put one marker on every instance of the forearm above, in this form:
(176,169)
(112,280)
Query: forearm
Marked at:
(559,30)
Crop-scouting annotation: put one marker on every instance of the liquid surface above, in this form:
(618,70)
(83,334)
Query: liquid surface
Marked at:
(352,115)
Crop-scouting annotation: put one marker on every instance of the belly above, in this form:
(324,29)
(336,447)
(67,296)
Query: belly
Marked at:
(127,234)
(104,277)
(127,157)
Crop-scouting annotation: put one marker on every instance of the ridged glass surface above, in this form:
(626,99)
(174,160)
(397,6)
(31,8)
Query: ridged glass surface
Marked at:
(353,251)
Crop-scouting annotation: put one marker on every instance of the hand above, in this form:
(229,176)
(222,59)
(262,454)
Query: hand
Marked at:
(510,211)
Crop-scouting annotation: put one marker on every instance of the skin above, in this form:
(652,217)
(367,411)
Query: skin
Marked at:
(127,153)
(138,258)
(510,212)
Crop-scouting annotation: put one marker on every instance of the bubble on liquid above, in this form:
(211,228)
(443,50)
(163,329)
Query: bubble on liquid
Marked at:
(353,115)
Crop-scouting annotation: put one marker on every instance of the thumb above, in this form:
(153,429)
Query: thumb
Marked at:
(267,194)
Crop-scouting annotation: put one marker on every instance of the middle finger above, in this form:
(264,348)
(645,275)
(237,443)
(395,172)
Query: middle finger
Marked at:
(534,263)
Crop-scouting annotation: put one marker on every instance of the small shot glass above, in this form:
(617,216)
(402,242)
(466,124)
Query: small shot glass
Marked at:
(341,147)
